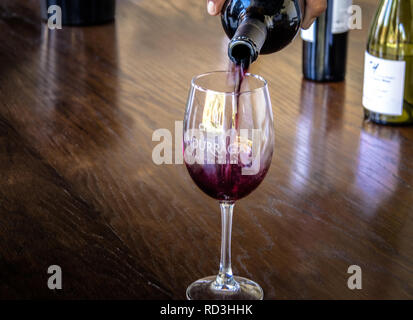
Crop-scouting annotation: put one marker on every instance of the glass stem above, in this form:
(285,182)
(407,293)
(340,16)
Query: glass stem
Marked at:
(225,279)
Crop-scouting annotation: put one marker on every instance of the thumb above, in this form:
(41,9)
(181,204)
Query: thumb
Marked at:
(214,6)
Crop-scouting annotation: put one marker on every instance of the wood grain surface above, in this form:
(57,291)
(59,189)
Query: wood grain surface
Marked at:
(79,189)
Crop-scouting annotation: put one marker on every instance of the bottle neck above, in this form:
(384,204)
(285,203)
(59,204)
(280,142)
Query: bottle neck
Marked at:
(247,42)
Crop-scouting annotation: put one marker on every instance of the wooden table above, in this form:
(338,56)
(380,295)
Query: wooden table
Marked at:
(79,189)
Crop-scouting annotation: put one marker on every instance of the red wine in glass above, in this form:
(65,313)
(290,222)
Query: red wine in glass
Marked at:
(226,181)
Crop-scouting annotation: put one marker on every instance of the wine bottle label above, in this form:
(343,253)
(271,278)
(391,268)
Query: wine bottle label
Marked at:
(341,16)
(383,85)
(308,35)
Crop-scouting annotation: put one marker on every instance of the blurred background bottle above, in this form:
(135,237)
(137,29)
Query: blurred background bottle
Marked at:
(82,12)
(388,70)
(325,43)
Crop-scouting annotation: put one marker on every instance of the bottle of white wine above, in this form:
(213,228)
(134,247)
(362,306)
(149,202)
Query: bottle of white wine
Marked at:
(388,70)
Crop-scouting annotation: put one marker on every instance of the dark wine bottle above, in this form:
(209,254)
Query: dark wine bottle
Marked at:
(259,26)
(325,44)
(82,12)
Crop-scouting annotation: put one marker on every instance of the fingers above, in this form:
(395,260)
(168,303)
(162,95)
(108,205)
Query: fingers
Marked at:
(313,9)
(214,6)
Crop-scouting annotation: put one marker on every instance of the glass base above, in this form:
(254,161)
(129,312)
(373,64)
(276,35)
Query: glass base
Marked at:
(208,289)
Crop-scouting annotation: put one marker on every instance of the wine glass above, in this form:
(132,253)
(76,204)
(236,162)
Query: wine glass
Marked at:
(228,147)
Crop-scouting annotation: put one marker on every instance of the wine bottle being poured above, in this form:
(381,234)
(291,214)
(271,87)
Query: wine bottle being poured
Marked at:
(259,27)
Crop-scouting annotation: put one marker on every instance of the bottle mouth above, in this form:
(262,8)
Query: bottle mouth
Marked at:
(242,51)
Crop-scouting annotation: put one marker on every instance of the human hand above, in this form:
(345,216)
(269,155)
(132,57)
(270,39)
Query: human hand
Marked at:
(214,7)
(313,8)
